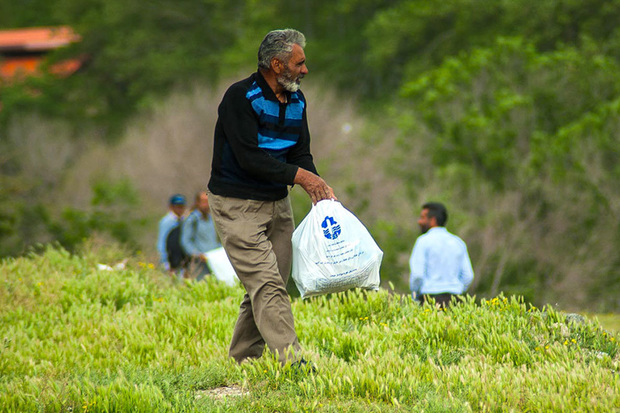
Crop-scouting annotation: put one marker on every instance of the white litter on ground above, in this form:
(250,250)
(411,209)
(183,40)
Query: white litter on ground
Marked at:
(221,392)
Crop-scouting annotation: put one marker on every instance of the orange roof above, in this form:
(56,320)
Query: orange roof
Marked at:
(19,67)
(24,51)
(36,38)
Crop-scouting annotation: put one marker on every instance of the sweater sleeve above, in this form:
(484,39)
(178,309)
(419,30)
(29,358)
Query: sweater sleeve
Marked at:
(240,125)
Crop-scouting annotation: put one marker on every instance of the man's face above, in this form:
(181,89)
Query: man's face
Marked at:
(203,203)
(294,70)
(425,222)
(178,209)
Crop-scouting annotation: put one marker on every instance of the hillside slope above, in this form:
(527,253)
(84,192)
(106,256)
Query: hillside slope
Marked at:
(77,337)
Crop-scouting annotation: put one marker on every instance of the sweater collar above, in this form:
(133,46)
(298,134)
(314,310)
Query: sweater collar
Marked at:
(267,91)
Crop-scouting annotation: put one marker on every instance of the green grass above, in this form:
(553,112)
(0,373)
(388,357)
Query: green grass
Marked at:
(75,338)
(609,322)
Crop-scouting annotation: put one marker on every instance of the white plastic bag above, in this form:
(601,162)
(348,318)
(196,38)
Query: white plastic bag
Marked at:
(333,251)
(220,266)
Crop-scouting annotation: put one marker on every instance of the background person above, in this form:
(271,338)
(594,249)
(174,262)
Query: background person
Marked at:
(262,145)
(439,263)
(170,221)
(198,236)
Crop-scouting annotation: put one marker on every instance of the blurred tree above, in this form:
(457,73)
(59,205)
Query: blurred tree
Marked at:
(26,13)
(509,109)
(413,35)
(539,125)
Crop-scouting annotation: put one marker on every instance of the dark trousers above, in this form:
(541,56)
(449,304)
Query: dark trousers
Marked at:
(197,269)
(442,299)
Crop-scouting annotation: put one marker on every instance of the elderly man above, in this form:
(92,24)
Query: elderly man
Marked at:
(439,263)
(262,145)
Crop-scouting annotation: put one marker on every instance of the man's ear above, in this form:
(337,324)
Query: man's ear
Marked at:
(433,221)
(276,65)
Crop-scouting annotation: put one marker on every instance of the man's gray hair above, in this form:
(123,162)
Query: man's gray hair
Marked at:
(279,44)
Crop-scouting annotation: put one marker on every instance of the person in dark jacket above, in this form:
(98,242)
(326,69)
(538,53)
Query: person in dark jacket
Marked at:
(168,223)
(261,147)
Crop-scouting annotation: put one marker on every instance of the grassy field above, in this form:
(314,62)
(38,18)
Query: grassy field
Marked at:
(75,338)
(610,322)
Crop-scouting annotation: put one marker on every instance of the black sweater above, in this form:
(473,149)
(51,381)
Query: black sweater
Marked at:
(259,142)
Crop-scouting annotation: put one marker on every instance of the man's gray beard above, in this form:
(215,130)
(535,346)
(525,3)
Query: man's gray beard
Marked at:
(288,84)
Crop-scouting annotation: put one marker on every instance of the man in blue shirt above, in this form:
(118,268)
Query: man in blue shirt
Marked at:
(198,236)
(440,265)
(169,222)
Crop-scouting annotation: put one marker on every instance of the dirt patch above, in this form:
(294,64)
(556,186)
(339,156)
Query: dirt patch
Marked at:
(221,392)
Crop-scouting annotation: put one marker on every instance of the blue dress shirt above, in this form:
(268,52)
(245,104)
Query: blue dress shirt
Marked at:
(440,264)
(198,234)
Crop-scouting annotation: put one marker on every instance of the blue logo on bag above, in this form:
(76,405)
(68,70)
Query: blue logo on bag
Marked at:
(331,229)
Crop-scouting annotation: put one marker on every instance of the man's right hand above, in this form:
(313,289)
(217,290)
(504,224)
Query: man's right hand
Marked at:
(314,185)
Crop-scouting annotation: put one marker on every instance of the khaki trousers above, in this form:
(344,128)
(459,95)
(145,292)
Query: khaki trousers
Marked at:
(257,238)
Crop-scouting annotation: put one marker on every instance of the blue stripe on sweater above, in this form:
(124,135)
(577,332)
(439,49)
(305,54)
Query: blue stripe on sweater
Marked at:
(272,144)
(273,135)
(287,121)
(255,92)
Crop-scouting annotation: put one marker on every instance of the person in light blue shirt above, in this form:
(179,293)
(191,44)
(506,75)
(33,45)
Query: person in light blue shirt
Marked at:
(170,221)
(439,263)
(198,236)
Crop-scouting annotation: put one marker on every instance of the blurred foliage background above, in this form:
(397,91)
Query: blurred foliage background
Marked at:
(506,111)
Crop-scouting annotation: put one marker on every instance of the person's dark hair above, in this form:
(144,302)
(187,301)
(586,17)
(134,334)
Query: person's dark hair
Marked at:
(437,210)
(279,44)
